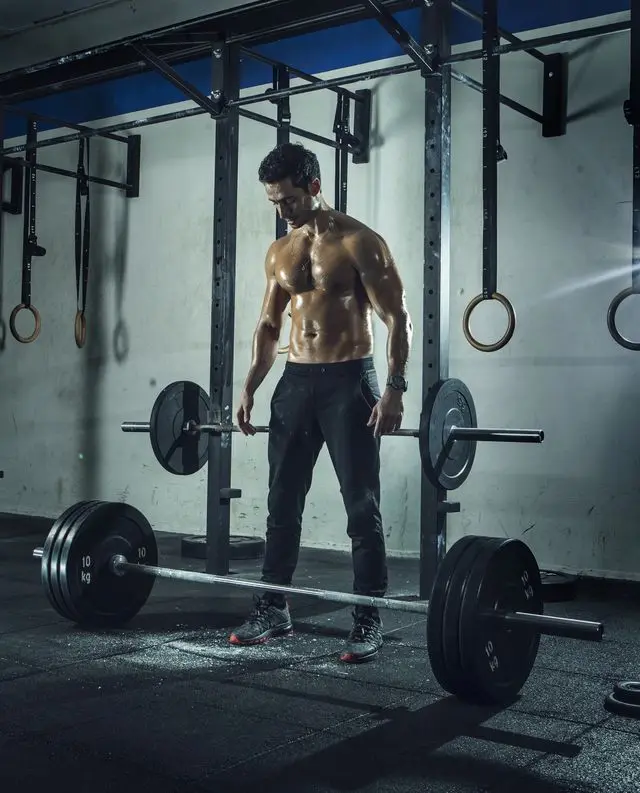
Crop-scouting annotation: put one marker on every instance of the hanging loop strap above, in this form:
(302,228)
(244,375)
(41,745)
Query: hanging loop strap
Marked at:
(83,243)
(30,247)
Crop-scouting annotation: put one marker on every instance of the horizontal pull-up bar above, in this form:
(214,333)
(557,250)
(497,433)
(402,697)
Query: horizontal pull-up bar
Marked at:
(62,172)
(405,68)
(464,79)
(258,56)
(21,111)
(542,41)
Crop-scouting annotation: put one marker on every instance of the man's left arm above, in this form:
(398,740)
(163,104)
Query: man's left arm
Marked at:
(382,282)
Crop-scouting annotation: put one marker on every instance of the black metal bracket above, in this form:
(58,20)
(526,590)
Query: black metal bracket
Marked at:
(133,166)
(362,128)
(555,95)
(14,205)
(213,105)
(421,56)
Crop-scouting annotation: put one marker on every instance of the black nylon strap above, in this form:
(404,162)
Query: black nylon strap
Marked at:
(83,230)
(30,247)
(29,211)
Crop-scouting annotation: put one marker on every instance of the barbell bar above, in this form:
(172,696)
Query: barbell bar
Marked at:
(447,435)
(453,433)
(484,618)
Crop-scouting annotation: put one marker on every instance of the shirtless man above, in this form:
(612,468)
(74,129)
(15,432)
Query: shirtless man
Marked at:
(334,272)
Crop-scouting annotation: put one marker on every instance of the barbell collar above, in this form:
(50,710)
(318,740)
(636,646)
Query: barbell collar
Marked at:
(136,426)
(567,627)
(38,553)
(495,435)
(120,565)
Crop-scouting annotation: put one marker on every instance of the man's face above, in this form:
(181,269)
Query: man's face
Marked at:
(295,205)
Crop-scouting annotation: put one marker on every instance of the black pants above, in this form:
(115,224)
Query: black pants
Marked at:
(313,404)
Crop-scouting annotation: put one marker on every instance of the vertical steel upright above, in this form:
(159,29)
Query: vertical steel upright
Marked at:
(634,100)
(225,87)
(341,126)
(435,38)
(3,327)
(282,80)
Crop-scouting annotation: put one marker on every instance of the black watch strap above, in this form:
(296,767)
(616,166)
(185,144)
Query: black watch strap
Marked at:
(397,382)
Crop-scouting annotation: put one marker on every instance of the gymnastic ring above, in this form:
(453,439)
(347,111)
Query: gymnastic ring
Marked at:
(611,320)
(511,315)
(12,323)
(80,329)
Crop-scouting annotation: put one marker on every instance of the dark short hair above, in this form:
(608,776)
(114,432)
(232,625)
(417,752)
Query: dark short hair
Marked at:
(289,161)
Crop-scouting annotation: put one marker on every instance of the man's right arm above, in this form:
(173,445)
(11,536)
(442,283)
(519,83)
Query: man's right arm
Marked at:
(267,332)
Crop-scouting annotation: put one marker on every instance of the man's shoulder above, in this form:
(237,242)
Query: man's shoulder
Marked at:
(356,235)
(276,248)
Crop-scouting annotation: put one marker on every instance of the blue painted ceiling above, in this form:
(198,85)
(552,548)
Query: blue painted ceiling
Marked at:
(336,48)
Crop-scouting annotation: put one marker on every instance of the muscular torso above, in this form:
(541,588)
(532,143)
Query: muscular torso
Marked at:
(331,315)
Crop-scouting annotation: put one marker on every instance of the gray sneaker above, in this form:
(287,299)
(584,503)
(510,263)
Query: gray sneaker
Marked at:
(264,622)
(365,639)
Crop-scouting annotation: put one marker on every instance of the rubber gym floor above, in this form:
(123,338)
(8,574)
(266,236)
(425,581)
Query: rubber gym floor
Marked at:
(167,705)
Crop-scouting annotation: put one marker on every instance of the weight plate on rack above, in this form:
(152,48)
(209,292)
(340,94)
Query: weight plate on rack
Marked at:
(95,592)
(448,403)
(498,656)
(177,451)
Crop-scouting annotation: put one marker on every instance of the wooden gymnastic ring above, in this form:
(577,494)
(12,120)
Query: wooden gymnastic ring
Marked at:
(80,329)
(12,323)
(511,326)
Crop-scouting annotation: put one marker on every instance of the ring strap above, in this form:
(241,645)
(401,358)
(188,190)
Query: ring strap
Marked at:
(83,242)
(30,247)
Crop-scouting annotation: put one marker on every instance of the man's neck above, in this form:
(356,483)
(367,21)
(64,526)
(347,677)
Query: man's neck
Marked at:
(321,221)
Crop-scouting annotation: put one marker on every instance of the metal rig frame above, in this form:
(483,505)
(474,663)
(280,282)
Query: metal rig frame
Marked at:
(225,38)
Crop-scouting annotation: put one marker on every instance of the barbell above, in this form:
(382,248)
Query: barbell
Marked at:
(179,427)
(484,618)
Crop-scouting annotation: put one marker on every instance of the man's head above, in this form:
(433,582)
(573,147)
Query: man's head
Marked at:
(291,176)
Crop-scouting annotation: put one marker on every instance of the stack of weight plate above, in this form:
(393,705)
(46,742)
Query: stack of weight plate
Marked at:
(624,700)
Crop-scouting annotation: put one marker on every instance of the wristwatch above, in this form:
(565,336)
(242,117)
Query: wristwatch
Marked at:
(397,382)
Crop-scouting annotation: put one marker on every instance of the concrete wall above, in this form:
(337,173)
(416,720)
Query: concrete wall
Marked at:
(564,252)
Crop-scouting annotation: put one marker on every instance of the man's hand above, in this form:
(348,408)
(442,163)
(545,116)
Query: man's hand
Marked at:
(244,414)
(387,414)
